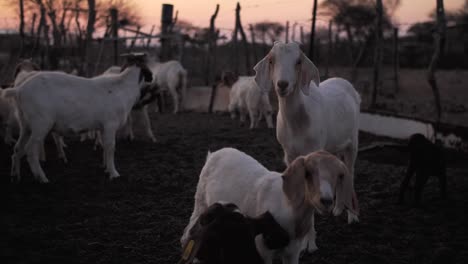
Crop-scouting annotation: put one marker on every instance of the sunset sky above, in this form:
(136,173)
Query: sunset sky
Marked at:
(199,11)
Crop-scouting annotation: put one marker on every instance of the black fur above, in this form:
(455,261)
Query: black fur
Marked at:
(227,236)
(426,159)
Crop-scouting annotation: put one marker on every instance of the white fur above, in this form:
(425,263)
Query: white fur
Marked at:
(245,96)
(142,112)
(311,117)
(171,76)
(233,176)
(65,103)
(12,119)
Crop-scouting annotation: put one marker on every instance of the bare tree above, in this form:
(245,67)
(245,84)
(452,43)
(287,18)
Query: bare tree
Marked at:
(312,30)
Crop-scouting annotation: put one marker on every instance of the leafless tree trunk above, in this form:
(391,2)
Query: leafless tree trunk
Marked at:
(312,31)
(89,35)
(286,39)
(439,41)
(378,51)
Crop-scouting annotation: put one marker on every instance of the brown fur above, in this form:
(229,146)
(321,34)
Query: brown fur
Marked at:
(26,65)
(228,78)
(301,185)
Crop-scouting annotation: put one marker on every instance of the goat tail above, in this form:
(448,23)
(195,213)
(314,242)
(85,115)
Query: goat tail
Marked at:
(8,93)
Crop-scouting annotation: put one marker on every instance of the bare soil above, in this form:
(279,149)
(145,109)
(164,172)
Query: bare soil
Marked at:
(81,217)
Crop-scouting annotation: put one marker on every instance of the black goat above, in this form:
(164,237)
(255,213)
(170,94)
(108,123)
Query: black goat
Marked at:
(426,159)
(223,235)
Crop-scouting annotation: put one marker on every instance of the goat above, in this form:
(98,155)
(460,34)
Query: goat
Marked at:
(66,103)
(312,115)
(141,110)
(23,71)
(245,96)
(222,235)
(316,182)
(171,76)
(425,159)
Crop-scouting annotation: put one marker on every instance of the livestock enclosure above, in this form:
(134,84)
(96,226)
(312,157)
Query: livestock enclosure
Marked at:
(81,217)
(409,67)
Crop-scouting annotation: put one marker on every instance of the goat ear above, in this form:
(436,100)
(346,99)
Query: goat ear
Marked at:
(294,182)
(36,67)
(262,74)
(17,71)
(345,194)
(307,72)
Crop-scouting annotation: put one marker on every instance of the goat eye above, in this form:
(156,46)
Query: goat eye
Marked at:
(299,62)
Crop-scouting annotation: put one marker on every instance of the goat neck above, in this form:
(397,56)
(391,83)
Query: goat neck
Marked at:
(296,109)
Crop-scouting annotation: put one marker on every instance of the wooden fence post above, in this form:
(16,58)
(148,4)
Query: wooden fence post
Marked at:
(329,50)
(212,41)
(21,27)
(254,44)
(439,43)
(286,37)
(89,35)
(244,39)
(396,60)
(114,13)
(302,35)
(149,38)
(377,51)
(312,31)
(166,22)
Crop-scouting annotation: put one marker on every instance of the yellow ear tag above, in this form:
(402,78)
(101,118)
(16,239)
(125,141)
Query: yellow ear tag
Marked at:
(188,250)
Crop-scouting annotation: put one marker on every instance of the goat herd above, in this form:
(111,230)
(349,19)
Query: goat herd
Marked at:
(243,212)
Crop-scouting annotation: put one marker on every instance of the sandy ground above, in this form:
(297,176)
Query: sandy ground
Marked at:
(81,217)
(414,96)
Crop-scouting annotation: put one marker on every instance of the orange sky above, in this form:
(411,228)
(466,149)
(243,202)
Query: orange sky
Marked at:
(199,11)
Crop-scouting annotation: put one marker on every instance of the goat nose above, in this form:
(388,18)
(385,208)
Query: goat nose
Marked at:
(326,202)
(282,84)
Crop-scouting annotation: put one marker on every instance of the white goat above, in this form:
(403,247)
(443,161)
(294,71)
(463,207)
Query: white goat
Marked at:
(312,115)
(23,72)
(67,103)
(142,111)
(171,76)
(318,181)
(245,96)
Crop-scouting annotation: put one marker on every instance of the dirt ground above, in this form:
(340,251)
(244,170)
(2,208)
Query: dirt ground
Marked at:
(81,217)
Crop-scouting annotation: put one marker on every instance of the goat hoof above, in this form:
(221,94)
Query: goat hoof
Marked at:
(114,176)
(352,218)
(43,180)
(312,247)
